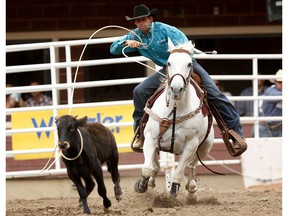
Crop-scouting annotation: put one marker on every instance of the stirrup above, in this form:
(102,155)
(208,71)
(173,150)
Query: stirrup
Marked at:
(137,138)
(233,136)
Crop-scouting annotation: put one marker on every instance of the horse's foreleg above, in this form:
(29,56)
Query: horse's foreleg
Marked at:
(191,186)
(177,176)
(154,172)
(179,171)
(148,169)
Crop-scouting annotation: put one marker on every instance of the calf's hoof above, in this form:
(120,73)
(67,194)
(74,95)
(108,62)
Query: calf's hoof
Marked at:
(118,198)
(118,193)
(107,203)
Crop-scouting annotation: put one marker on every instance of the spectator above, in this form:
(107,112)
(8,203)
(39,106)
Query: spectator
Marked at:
(246,108)
(14,99)
(272,108)
(220,86)
(38,98)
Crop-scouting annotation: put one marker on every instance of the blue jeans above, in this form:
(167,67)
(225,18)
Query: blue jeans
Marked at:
(265,131)
(144,90)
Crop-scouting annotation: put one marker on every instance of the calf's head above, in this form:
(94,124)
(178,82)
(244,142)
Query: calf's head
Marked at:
(67,126)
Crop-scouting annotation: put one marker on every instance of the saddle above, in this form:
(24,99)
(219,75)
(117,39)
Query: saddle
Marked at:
(228,135)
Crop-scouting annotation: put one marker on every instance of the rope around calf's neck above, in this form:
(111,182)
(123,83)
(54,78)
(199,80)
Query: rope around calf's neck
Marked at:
(61,154)
(81,148)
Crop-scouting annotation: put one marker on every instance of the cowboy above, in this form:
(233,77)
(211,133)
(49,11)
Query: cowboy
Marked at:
(150,39)
(272,108)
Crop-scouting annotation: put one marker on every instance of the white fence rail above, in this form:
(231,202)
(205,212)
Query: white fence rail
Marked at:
(55,87)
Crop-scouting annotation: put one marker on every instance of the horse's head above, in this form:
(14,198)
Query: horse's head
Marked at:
(179,67)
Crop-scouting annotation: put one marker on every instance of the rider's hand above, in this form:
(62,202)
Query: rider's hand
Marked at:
(132,43)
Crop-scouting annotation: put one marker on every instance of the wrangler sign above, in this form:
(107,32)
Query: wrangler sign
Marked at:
(45,139)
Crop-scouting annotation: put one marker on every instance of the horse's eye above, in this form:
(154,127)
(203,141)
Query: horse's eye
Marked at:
(168,64)
(189,65)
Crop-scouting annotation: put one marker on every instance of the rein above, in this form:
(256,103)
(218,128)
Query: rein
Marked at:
(173,131)
(81,148)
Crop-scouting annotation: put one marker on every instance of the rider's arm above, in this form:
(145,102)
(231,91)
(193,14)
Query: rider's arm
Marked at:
(117,46)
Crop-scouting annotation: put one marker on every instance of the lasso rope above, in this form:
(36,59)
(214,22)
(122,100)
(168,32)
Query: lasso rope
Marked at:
(73,88)
(44,168)
(105,27)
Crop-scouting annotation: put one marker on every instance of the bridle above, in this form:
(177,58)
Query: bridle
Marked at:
(185,80)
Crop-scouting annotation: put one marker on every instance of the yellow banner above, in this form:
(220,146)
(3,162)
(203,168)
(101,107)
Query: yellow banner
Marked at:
(42,119)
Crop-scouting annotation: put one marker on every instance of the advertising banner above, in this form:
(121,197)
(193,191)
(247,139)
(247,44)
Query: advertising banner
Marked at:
(45,139)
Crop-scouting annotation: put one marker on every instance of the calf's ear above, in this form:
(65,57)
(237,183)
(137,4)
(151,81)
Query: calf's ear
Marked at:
(82,121)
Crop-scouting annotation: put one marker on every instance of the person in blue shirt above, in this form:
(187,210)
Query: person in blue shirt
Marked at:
(272,108)
(152,42)
(246,108)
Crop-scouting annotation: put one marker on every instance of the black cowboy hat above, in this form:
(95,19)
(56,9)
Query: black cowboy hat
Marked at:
(141,11)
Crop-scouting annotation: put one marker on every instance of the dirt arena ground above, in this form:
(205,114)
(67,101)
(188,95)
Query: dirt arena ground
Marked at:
(217,195)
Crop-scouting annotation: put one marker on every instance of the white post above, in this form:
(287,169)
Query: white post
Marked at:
(167,164)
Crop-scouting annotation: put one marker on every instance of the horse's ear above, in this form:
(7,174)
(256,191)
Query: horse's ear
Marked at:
(170,45)
(191,43)
(56,119)
(190,46)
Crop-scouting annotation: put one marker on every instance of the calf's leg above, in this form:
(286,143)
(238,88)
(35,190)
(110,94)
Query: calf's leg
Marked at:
(89,183)
(112,165)
(81,191)
(98,174)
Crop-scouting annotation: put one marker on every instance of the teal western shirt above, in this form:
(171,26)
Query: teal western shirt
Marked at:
(154,45)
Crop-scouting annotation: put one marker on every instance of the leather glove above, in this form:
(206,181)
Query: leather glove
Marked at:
(132,43)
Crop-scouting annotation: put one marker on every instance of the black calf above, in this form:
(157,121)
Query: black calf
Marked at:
(85,147)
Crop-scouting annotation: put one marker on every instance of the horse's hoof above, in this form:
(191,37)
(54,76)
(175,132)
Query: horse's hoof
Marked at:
(141,185)
(191,198)
(152,184)
(174,189)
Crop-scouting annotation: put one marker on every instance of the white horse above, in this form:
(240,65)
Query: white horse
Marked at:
(187,131)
